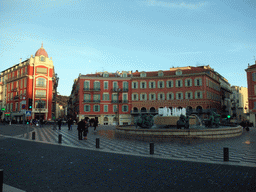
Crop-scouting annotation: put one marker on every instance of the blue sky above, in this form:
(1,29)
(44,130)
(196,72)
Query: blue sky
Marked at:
(85,36)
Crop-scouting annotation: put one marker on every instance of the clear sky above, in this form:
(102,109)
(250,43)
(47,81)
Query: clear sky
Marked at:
(85,36)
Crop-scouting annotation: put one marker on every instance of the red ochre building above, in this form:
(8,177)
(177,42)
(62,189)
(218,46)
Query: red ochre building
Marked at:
(29,79)
(123,95)
(251,84)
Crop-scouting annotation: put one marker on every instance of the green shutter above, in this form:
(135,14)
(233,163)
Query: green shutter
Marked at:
(200,82)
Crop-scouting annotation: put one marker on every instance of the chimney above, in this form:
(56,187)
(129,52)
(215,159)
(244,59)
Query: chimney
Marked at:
(20,60)
(136,71)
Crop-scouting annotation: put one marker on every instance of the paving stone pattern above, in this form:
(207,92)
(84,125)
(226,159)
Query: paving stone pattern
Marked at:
(242,149)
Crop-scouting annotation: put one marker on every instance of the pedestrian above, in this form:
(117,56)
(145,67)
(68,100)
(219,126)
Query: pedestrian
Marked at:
(80,128)
(95,123)
(70,122)
(86,129)
(41,122)
(59,123)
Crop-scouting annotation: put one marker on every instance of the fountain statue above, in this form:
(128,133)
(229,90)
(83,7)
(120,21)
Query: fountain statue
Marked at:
(144,121)
(214,120)
(183,122)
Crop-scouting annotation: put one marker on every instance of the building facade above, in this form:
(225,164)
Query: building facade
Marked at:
(29,79)
(251,84)
(123,96)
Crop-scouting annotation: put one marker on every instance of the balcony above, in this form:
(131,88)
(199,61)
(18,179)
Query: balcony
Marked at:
(16,77)
(119,90)
(16,97)
(91,89)
(96,101)
(124,101)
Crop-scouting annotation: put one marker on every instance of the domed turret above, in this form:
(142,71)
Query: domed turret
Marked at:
(41,51)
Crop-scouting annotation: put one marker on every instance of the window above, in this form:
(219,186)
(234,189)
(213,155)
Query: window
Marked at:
(254,76)
(105,75)
(143,75)
(199,95)
(41,82)
(179,95)
(105,84)
(87,97)
(25,83)
(87,108)
(114,97)
(125,108)
(135,85)
(143,85)
(179,83)
(125,97)
(143,96)
(198,82)
(105,96)
(152,84)
(125,75)
(42,58)
(96,97)
(96,85)
(170,96)
(114,108)
(134,96)
(105,108)
(178,72)
(86,85)
(160,84)
(189,95)
(152,96)
(161,96)
(188,82)
(39,104)
(40,93)
(125,86)
(21,83)
(169,83)
(115,85)
(41,70)
(160,74)
(96,108)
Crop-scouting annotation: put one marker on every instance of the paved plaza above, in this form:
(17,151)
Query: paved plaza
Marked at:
(123,164)
(242,149)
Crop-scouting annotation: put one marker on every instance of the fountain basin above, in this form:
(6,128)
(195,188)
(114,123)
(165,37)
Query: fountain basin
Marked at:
(160,121)
(209,133)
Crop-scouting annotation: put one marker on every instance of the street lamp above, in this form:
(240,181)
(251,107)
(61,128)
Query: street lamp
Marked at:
(56,78)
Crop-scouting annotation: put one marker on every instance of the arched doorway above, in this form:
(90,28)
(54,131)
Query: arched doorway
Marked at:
(135,109)
(189,109)
(105,121)
(152,110)
(143,110)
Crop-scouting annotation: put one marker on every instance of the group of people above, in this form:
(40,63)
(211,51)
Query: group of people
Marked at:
(83,127)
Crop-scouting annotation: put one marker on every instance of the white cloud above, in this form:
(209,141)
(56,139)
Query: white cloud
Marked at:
(175,5)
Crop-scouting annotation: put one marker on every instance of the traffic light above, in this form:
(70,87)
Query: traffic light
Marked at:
(30,103)
(228,116)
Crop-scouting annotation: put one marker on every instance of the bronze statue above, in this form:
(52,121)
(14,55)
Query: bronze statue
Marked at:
(214,120)
(183,122)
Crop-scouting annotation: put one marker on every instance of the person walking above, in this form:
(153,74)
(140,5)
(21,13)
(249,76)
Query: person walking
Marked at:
(59,123)
(86,129)
(95,123)
(70,122)
(80,128)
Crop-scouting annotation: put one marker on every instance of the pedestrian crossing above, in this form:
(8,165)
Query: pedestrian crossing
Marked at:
(205,150)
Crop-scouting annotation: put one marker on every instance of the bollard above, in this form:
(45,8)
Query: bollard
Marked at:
(97,143)
(151,148)
(60,136)
(226,155)
(1,179)
(33,135)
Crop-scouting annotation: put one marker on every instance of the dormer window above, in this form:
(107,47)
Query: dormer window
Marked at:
(143,75)
(124,74)
(160,74)
(42,58)
(105,75)
(178,72)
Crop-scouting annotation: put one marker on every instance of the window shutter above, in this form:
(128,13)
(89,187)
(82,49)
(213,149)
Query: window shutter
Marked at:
(195,94)
(186,82)
(200,82)
(195,82)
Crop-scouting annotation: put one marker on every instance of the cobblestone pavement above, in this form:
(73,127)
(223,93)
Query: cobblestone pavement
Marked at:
(242,149)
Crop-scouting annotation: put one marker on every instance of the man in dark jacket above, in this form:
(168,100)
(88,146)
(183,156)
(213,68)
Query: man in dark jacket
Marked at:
(59,123)
(95,123)
(70,122)
(80,128)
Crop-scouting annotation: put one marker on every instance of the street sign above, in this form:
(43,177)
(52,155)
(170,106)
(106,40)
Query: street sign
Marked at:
(23,106)
(28,113)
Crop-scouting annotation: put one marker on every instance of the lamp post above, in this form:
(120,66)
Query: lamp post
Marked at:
(56,78)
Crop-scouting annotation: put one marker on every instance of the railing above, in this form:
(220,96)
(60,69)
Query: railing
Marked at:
(119,90)
(124,101)
(16,97)
(91,89)
(16,77)
(92,101)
